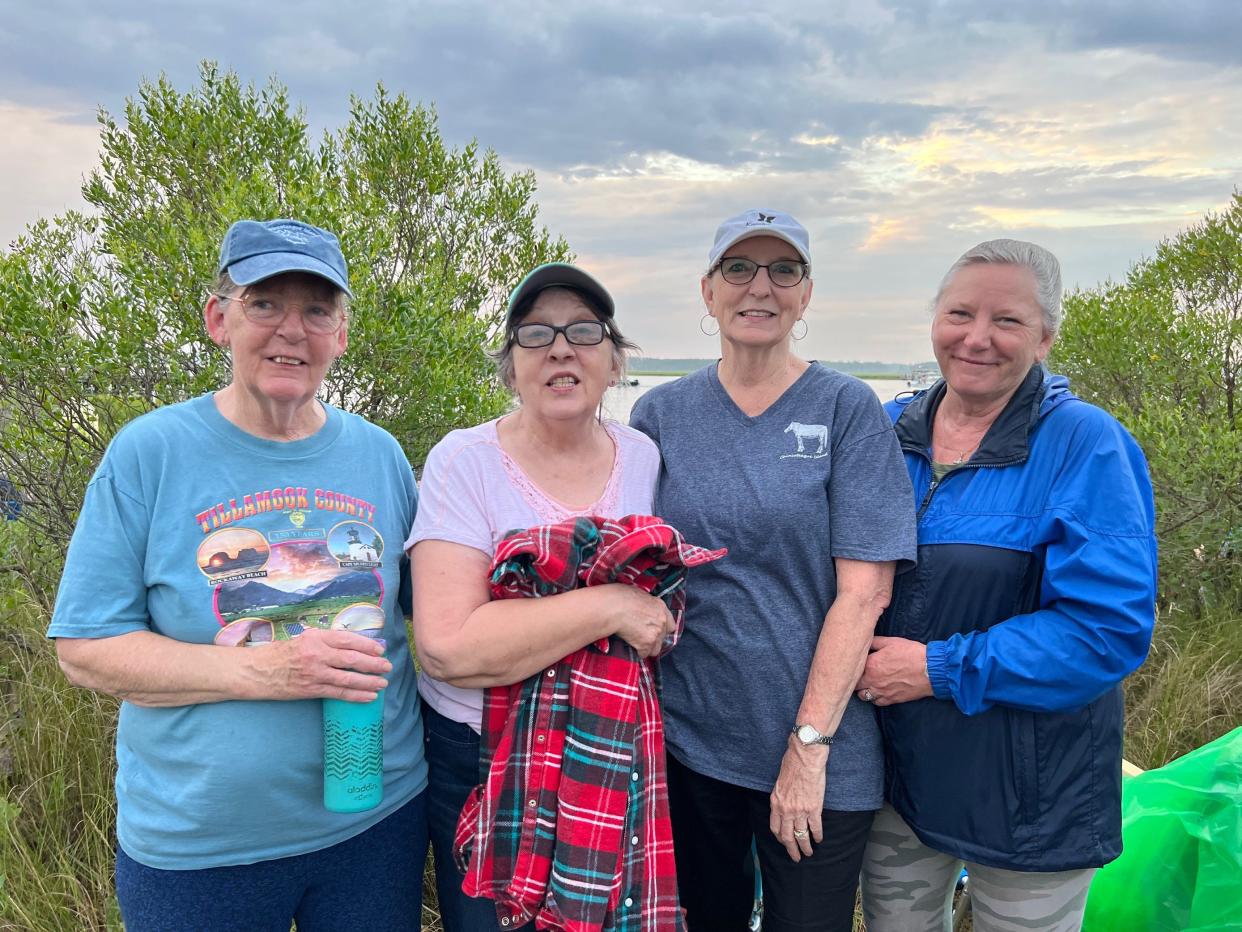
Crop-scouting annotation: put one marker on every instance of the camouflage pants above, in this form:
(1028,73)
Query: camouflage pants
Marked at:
(908,887)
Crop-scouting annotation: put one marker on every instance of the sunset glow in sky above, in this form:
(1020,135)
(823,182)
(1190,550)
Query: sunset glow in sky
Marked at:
(900,132)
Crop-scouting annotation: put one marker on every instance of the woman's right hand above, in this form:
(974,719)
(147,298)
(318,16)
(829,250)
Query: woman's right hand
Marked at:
(319,664)
(641,620)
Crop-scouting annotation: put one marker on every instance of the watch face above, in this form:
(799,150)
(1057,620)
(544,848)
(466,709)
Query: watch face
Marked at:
(807,734)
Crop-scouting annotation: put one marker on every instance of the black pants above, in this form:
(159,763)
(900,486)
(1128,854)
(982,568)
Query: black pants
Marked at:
(713,825)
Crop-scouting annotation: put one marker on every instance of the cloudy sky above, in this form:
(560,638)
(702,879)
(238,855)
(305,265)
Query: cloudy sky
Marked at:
(899,132)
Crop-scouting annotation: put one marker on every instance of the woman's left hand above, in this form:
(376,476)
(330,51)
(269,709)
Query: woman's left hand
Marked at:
(896,671)
(797,800)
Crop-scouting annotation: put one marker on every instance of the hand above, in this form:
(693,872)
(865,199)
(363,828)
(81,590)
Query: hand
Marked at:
(797,800)
(896,671)
(319,664)
(642,620)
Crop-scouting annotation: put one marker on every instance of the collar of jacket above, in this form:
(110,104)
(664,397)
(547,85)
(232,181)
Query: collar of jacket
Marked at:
(1006,441)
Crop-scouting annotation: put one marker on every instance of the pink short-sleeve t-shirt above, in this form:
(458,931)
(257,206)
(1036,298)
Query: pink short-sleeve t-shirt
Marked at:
(473,493)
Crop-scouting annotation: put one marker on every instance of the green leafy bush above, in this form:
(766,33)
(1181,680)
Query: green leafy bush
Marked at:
(100,321)
(1162,351)
(101,316)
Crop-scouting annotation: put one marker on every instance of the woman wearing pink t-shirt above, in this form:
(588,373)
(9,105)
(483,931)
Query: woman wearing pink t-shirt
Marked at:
(551,459)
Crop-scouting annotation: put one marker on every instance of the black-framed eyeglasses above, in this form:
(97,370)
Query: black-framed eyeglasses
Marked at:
(579,333)
(266,311)
(737,270)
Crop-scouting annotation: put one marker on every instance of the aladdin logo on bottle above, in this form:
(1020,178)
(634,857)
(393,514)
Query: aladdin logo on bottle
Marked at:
(364,788)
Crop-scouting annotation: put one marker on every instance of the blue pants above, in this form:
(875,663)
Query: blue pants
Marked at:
(372,881)
(452,772)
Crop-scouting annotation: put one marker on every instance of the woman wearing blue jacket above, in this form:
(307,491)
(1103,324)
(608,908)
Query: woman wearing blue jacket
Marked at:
(998,667)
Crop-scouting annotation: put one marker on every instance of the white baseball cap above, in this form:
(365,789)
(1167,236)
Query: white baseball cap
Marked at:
(760,223)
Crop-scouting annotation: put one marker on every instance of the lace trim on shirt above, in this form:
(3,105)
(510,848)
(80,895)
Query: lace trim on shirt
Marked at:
(549,509)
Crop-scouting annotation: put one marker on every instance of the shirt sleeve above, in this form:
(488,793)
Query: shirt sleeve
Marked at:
(451,503)
(103,590)
(642,418)
(1097,596)
(871,499)
(640,463)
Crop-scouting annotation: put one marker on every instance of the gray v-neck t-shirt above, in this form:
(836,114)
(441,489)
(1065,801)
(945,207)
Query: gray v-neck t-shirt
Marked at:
(818,475)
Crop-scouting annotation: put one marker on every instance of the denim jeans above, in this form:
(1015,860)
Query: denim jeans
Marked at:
(452,772)
(372,881)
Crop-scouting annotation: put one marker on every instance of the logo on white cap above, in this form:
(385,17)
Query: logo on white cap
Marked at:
(760,218)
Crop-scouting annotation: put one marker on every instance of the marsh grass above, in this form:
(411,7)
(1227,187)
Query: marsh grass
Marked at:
(56,766)
(1189,691)
(57,810)
(56,754)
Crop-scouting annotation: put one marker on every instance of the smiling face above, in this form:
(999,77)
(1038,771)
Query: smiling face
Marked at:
(759,313)
(281,363)
(562,380)
(988,330)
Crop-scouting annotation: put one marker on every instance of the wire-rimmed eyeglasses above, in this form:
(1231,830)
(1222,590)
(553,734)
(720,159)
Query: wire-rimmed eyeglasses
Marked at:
(786,273)
(268,311)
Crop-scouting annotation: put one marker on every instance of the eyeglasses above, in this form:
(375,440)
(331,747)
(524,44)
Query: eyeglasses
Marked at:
(784,272)
(579,333)
(268,312)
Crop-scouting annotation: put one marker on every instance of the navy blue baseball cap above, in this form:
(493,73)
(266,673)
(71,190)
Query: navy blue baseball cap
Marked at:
(552,274)
(257,249)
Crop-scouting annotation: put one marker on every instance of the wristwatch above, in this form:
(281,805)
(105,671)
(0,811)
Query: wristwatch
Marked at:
(809,734)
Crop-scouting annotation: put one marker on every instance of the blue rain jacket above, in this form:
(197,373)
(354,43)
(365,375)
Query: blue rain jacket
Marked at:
(1035,594)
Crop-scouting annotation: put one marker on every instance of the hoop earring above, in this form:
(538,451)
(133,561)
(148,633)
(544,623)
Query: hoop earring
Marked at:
(805,328)
(703,325)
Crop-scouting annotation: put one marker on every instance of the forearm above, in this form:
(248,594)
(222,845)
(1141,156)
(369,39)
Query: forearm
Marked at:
(797,799)
(840,656)
(150,669)
(507,640)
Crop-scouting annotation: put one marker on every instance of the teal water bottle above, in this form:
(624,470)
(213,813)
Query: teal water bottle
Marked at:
(353,754)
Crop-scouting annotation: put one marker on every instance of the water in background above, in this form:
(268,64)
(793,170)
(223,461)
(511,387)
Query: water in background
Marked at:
(619,401)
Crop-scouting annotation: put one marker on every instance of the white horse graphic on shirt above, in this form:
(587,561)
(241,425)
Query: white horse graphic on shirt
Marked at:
(813,433)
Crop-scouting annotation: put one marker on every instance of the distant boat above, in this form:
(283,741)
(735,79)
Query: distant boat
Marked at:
(630,382)
(921,377)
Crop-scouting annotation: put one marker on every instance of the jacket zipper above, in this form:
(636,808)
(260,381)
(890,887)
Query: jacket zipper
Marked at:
(931,490)
(936,483)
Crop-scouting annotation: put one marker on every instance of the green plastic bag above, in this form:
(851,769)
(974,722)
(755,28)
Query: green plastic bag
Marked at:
(1181,870)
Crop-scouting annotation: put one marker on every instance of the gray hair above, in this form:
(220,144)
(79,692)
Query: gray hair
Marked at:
(224,284)
(1042,264)
(502,356)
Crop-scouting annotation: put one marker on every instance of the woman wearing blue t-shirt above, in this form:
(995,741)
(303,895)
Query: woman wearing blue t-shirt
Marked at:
(794,468)
(211,585)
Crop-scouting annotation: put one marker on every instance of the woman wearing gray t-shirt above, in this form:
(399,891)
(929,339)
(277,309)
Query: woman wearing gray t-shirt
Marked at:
(794,467)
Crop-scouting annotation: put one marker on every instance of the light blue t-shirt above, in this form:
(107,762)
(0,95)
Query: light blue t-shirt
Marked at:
(818,475)
(201,532)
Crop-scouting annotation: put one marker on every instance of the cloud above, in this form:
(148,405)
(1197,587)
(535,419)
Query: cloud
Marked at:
(1191,30)
(44,156)
(899,131)
(600,87)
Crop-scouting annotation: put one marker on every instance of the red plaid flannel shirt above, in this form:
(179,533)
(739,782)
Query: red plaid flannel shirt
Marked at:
(571,824)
